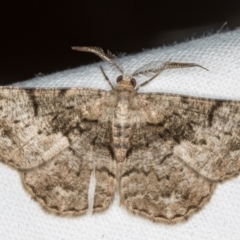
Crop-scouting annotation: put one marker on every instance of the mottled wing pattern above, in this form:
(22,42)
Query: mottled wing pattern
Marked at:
(54,137)
(182,149)
(61,141)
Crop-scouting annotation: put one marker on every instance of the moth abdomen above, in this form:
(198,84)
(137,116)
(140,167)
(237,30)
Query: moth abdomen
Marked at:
(121,138)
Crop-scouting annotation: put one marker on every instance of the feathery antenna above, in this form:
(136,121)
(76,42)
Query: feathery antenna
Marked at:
(108,57)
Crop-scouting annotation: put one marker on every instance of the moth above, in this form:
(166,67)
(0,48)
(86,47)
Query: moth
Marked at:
(163,154)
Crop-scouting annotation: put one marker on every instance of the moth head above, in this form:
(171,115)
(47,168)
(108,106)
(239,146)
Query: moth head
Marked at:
(152,69)
(125,80)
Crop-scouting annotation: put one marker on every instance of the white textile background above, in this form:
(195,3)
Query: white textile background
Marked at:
(22,218)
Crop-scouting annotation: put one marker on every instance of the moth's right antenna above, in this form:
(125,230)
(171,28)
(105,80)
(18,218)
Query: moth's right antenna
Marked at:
(157,67)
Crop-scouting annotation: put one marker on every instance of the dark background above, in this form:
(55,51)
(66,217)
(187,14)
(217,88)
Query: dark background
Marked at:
(36,36)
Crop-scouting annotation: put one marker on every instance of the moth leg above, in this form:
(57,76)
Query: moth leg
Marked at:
(106,77)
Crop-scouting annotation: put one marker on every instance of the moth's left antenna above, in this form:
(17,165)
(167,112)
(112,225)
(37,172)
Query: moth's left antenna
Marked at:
(99,52)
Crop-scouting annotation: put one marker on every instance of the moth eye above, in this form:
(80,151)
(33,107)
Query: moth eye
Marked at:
(133,82)
(119,78)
